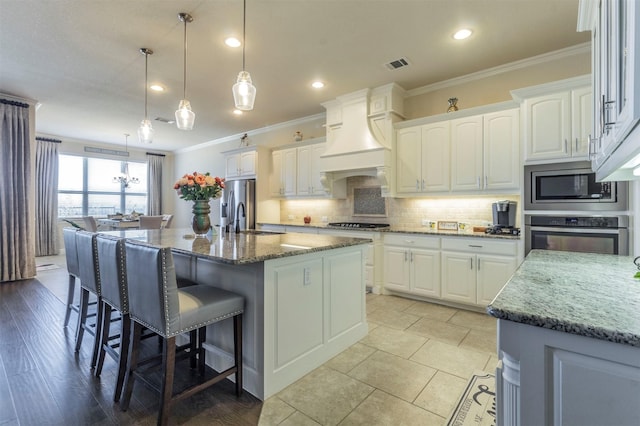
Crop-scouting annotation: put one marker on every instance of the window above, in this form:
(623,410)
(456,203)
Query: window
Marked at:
(86,187)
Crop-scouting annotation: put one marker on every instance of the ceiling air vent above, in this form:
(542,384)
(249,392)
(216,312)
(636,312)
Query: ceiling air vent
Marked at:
(398,63)
(165,120)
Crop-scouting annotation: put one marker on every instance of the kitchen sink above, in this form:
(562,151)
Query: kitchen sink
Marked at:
(259,232)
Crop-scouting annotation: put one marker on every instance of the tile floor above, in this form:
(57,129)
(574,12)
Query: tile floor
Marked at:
(410,369)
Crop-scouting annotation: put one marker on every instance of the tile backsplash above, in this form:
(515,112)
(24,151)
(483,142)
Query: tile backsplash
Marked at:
(402,212)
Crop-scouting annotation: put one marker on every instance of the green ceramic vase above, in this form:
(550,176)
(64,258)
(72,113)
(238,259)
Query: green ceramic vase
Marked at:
(201,222)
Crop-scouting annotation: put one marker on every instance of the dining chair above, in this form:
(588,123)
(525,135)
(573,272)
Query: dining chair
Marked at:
(114,292)
(89,284)
(151,222)
(90,223)
(167,220)
(156,301)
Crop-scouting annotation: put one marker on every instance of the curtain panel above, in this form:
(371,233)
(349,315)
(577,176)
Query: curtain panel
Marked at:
(46,196)
(154,179)
(17,251)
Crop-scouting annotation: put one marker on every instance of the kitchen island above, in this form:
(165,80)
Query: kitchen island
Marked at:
(569,341)
(305,297)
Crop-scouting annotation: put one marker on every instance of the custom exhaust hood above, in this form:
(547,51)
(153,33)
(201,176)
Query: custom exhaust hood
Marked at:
(360,137)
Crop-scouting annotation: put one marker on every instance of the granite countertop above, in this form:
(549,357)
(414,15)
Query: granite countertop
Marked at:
(403,230)
(592,295)
(239,248)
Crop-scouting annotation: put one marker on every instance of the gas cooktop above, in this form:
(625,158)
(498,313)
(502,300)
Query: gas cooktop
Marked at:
(358,225)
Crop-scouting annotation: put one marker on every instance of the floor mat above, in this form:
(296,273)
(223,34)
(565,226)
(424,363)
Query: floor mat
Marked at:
(477,405)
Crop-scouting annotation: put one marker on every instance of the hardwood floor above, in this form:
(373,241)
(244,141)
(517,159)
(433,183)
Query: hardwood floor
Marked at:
(44,382)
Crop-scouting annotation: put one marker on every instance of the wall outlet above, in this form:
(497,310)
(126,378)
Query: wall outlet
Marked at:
(325,219)
(425,222)
(291,217)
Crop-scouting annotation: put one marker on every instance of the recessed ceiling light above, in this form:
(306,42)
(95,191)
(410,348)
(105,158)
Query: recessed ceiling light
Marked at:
(317,85)
(462,34)
(156,88)
(232,42)
(237,112)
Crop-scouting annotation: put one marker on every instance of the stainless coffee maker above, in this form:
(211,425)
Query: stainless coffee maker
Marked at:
(504,214)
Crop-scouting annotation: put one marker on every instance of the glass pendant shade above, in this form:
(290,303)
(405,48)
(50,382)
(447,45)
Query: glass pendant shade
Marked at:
(244,92)
(145,131)
(184,116)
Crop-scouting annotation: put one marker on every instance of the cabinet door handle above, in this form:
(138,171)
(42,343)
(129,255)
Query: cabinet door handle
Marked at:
(471,260)
(576,144)
(566,146)
(478,264)
(411,256)
(478,181)
(423,184)
(485,181)
(405,256)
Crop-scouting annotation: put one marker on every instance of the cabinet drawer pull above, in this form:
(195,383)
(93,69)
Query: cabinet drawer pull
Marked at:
(409,241)
(475,246)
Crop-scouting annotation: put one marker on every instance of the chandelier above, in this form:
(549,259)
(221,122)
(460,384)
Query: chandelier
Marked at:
(124,178)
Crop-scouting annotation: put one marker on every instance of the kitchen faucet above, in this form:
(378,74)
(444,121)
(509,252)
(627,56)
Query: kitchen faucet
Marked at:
(244,214)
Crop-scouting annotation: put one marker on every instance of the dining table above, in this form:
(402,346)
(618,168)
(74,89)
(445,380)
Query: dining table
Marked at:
(119,224)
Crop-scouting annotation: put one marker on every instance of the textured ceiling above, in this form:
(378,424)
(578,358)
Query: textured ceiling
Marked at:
(80,59)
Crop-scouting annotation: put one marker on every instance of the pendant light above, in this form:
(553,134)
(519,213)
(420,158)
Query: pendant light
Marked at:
(244,92)
(145,131)
(184,116)
(124,178)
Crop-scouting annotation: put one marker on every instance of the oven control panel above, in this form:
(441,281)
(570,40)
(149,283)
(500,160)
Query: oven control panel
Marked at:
(602,222)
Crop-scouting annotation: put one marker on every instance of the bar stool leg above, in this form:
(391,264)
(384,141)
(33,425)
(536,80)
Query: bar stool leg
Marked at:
(125,332)
(82,317)
(202,337)
(237,351)
(70,295)
(169,364)
(105,330)
(97,336)
(134,350)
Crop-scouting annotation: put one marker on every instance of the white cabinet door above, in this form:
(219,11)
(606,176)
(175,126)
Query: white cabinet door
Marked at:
(396,268)
(276,187)
(547,123)
(303,182)
(248,163)
(458,277)
(232,165)
(581,121)
(289,171)
(408,160)
(501,150)
(493,272)
(466,154)
(436,157)
(314,169)
(425,272)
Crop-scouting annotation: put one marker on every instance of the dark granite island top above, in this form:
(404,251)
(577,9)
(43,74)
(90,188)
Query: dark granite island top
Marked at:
(242,248)
(586,294)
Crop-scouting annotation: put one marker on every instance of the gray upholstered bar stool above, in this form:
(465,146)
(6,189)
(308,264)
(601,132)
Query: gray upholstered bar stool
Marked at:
(156,302)
(114,292)
(89,284)
(71,254)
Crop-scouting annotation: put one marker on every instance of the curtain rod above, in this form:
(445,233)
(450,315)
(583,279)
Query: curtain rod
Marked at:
(153,153)
(14,103)
(38,138)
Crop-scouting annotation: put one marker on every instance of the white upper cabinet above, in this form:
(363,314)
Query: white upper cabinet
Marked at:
(501,153)
(241,163)
(295,171)
(283,172)
(616,82)
(308,177)
(556,120)
(466,154)
(422,160)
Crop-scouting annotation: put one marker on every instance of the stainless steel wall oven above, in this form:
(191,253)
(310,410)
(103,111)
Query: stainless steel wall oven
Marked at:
(588,234)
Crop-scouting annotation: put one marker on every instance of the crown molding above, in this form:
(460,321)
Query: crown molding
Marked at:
(512,66)
(261,130)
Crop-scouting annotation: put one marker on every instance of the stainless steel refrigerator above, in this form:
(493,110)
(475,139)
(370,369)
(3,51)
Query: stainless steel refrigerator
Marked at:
(238,205)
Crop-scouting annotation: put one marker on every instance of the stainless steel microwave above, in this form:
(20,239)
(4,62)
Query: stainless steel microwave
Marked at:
(571,186)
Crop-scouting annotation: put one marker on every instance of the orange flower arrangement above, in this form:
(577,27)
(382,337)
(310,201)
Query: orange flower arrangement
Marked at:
(198,186)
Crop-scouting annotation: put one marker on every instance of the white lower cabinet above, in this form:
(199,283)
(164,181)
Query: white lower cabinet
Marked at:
(470,271)
(412,264)
(474,271)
